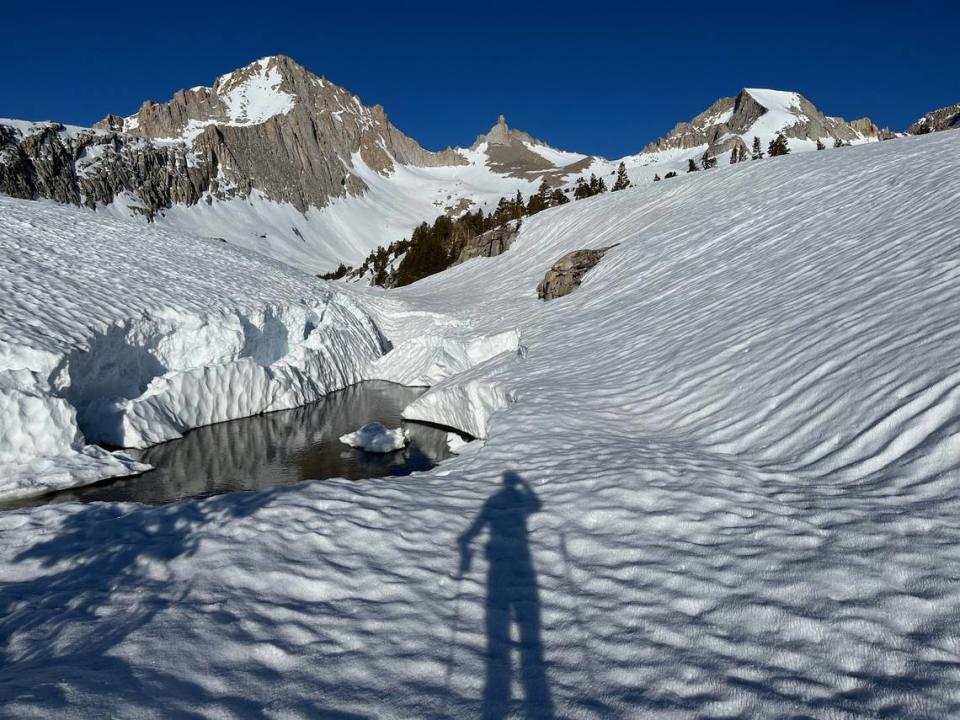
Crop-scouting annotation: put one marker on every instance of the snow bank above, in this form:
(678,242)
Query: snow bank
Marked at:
(425,360)
(41,448)
(141,334)
(466,401)
(374,437)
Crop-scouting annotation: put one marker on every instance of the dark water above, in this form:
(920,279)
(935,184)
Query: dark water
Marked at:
(273,449)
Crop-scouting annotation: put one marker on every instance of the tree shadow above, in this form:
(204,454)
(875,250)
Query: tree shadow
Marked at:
(512,597)
(61,625)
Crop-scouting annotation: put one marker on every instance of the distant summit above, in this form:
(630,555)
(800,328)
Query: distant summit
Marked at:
(518,154)
(502,134)
(264,124)
(945,118)
(734,121)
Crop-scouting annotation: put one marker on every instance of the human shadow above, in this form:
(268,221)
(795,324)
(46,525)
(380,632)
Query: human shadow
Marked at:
(511,597)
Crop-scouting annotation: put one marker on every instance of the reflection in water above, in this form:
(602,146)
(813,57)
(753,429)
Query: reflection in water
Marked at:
(281,447)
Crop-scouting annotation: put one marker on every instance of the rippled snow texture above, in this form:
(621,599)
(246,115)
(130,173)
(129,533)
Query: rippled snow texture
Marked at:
(742,434)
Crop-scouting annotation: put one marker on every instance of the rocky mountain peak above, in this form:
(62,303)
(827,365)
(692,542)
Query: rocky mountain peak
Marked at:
(763,113)
(945,118)
(276,127)
(518,154)
(503,134)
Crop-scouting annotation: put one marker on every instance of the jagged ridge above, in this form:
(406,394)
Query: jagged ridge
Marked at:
(221,142)
(724,124)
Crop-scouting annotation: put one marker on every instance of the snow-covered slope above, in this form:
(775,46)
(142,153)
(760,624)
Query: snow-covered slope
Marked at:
(125,335)
(348,228)
(741,431)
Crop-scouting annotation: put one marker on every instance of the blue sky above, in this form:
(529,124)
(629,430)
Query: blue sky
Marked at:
(598,77)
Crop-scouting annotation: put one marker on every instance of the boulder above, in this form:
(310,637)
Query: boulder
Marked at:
(567,273)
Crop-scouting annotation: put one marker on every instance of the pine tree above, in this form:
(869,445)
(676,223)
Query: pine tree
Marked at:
(757,152)
(427,254)
(838,143)
(501,214)
(597,185)
(691,166)
(743,153)
(669,175)
(708,161)
(622,182)
(479,222)
(734,154)
(656,178)
(582,190)
(518,206)
(558,198)
(536,204)
(820,145)
(778,146)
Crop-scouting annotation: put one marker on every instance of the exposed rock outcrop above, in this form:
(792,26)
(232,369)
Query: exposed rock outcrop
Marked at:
(866,128)
(567,273)
(945,118)
(513,152)
(90,167)
(489,244)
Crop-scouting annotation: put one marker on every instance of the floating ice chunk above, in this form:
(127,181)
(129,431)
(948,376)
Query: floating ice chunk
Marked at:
(374,437)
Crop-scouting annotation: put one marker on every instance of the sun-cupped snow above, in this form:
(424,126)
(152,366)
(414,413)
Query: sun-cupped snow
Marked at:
(124,335)
(726,485)
(466,401)
(425,360)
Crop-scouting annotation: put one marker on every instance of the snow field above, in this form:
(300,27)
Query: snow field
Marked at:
(740,434)
(347,229)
